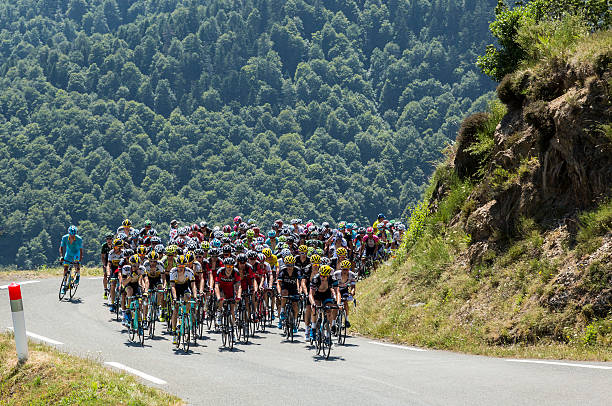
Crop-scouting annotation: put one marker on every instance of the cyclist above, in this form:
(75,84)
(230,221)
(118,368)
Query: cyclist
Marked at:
(381,217)
(272,261)
(346,281)
(112,268)
(104,251)
(287,285)
(322,291)
(182,284)
(309,272)
(154,272)
(370,243)
(247,279)
(71,250)
(227,286)
(131,280)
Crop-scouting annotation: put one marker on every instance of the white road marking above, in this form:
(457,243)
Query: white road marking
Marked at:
(402,347)
(41,338)
(137,373)
(565,364)
(95,277)
(19,283)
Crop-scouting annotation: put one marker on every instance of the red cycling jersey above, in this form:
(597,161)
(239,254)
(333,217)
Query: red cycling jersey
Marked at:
(227,283)
(247,277)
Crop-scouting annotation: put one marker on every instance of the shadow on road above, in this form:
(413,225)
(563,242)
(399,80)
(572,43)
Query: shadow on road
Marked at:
(226,349)
(320,358)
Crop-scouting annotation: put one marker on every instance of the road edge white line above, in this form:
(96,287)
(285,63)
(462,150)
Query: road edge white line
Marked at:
(402,347)
(41,338)
(136,372)
(564,364)
(19,283)
(95,277)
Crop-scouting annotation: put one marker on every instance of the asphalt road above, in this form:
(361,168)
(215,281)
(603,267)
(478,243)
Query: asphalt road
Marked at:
(270,371)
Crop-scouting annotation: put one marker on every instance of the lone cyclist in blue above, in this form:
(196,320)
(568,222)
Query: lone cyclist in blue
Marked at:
(71,250)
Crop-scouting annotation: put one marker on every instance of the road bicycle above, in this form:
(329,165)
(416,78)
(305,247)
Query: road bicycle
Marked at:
(243,320)
(341,319)
(227,324)
(184,323)
(153,309)
(211,309)
(69,284)
(261,311)
(289,324)
(322,332)
(135,327)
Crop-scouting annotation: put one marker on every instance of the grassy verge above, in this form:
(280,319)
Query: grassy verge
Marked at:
(44,272)
(52,377)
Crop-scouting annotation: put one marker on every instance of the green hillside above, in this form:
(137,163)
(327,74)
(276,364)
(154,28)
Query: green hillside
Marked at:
(206,109)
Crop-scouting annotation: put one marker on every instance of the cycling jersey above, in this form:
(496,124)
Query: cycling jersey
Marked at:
(273,261)
(247,278)
(104,250)
(181,286)
(72,249)
(114,258)
(288,281)
(153,272)
(322,287)
(350,280)
(227,283)
(128,273)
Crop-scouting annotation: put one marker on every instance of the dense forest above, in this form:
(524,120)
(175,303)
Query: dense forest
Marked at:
(206,109)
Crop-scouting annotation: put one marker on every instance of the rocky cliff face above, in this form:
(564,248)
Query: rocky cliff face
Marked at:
(552,152)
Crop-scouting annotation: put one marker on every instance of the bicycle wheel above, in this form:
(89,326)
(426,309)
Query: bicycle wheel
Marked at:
(201,320)
(326,340)
(139,329)
(151,318)
(245,326)
(117,305)
(178,332)
(262,316)
(131,329)
(73,288)
(225,329)
(341,326)
(186,332)
(318,337)
(64,282)
(289,322)
(232,336)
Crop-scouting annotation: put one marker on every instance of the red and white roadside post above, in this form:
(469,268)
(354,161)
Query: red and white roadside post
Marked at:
(21,342)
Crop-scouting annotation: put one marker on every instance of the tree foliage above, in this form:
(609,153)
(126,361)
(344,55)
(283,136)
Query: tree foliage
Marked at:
(205,109)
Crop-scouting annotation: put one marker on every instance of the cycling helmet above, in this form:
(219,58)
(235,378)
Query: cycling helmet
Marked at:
(267,252)
(134,260)
(205,245)
(128,252)
(239,248)
(216,243)
(319,251)
(325,261)
(243,226)
(369,230)
(159,248)
(271,234)
(325,270)
(282,238)
(191,245)
(203,224)
(381,216)
(361,230)
(122,236)
(214,252)
(341,251)
(146,240)
(242,258)
(341,225)
(303,249)
(227,229)
(180,241)
(310,251)
(315,259)
(237,219)
(181,260)
(346,264)
(109,236)
(229,261)
(199,252)
(72,230)
(148,223)
(226,240)
(259,247)
(289,260)
(190,256)
(227,249)
(251,222)
(261,257)
(117,242)
(285,252)
(251,255)
(325,224)
(126,223)
(171,249)
(142,250)
(153,256)
(250,233)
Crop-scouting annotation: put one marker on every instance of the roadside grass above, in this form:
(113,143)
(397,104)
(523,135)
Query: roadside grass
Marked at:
(51,377)
(45,272)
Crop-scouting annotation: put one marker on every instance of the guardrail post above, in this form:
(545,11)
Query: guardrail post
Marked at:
(21,342)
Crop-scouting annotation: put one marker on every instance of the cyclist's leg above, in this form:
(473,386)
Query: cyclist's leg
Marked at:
(105,280)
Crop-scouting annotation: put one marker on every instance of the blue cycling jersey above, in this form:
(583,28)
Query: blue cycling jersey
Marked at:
(73,249)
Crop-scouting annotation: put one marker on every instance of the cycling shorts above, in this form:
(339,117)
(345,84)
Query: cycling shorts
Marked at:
(181,289)
(322,296)
(154,281)
(135,288)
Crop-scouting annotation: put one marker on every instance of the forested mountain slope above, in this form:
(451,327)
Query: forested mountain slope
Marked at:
(206,109)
